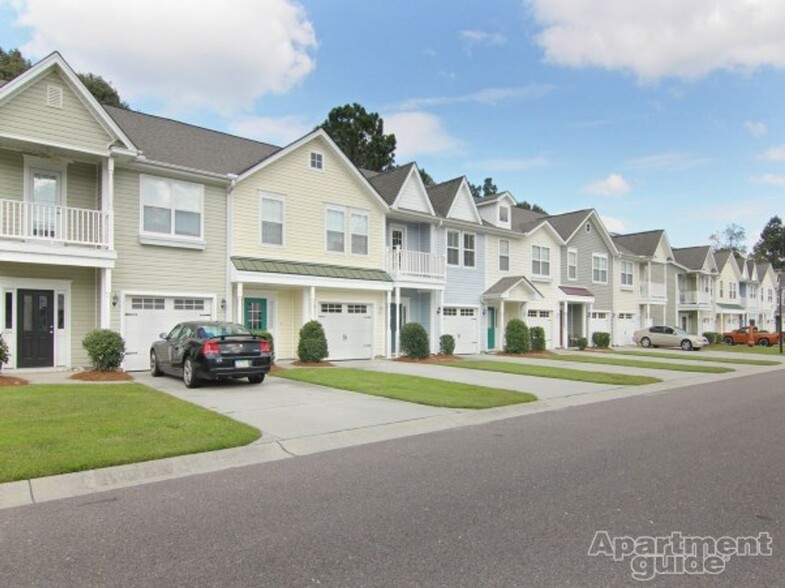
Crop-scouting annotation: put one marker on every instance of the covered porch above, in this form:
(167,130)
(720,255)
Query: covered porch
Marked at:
(505,300)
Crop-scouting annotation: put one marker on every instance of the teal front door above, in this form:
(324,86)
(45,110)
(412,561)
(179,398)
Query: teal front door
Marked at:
(255,313)
(491,327)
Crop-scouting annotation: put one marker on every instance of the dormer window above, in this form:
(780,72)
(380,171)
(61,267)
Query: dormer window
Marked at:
(504,214)
(317,161)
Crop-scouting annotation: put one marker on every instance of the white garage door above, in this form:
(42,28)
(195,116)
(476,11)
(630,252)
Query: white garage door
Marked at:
(461,323)
(599,321)
(626,325)
(544,319)
(148,316)
(349,330)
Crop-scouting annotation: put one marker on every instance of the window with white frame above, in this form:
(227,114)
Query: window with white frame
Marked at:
(335,222)
(271,209)
(722,289)
(453,247)
(317,160)
(504,214)
(771,295)
(626,273)
(572,264)
(469,243)
(172,207)
(541,261)
(359,232)
(599,269)
(504,255)
(732,290)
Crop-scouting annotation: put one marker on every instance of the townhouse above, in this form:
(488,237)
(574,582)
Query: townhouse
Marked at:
(693,304)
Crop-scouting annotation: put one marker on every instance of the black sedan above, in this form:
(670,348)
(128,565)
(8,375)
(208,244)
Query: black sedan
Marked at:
(199,351)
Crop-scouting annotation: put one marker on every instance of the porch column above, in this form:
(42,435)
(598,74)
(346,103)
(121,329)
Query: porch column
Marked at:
(563,320)
(105,300)
(387,325)
(440,313)
(312,310)
(398,321)
(107,198)
(434,301)
(502,324)
(240,310)
(587,320)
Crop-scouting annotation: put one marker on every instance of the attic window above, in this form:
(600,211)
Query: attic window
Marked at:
(317,160)
(54,96)
(504,214)
(588,227)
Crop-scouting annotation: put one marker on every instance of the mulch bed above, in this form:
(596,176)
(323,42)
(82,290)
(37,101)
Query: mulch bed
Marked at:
(540,354)
(299,363)
(431,359)
(96,376)
(12,381)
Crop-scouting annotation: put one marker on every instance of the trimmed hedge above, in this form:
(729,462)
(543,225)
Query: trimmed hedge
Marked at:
(105,348)
(583,343)
(446,345)
(516,337)
(312,346)
(537,336)
(4,353)
(601,339)
(414,341)
(713,336)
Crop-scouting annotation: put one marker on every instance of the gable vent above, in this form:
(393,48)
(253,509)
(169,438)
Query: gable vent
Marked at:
(54,96)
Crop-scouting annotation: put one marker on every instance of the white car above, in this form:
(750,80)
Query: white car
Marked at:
(664,336)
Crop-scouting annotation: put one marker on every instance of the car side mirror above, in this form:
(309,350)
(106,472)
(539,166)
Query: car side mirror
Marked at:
(163,335)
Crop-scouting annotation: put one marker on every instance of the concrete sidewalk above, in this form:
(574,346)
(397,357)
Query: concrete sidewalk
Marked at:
(300,419)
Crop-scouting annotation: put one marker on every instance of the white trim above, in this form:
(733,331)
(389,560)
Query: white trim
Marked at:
(569,251)
(607,267)
(320,158)
(171,239)
(404,229)
(53,165)
(540,275)
(499,257)
(415,171)
(263,194)
(464,185)
(308,281)
(347,212)
(25,252)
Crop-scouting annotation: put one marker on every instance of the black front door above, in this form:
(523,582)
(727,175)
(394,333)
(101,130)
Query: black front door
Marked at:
(35,328)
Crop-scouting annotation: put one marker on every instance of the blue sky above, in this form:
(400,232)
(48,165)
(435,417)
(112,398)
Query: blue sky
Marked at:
(659,114)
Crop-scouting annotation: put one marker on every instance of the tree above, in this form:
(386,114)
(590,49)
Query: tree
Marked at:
(360,135)
(475,189)
(426,178)
(533,207)
(771,245)
(13,63)
(488,187)
(730,238)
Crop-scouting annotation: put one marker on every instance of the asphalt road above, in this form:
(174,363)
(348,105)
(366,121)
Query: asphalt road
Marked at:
(515,502)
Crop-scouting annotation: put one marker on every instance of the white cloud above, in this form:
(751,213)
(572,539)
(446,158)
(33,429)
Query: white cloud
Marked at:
(486,96)
(185,56)
(756,129)
(276,130)
(613,185)
(473,37)
(509,165)
(775,154)
(669,161)
(614,225)
(420,133)
(769,180)
(662,39)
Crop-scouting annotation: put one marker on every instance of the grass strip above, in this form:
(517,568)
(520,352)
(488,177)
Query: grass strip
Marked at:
(541,371)
(696,357)
(637,363)
(415,389)
(757,350)
(55,429)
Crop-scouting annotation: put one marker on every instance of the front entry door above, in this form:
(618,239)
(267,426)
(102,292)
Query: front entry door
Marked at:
(256,314)
(35,328)
(491,327)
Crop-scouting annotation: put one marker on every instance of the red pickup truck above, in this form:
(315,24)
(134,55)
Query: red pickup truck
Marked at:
(762,338)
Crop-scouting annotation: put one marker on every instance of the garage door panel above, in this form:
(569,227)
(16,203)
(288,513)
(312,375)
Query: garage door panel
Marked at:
(544,319)
(626,325)
(348,329)
(461,323)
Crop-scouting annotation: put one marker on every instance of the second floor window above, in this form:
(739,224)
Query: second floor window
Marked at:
(461,248)
(336,230)
(626,273)
(271,212)
(722,289)
(171,207)
(359,230)
(732,289)
(572,264)
(771,295)
(453,247)
(468,249)
(335,221)
(599,269)
(541,261)
(504,255)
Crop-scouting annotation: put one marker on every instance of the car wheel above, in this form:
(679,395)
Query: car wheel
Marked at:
(155,369)
(763,342)
(256,379)
(190,379)
(728,341)
(686,345)
(646,342)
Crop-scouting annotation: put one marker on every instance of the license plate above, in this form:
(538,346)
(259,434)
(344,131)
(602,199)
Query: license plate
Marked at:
(242,363)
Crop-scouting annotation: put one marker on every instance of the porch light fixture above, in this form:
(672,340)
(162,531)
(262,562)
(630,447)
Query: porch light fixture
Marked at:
(223,304)
(115,299)
(438,310)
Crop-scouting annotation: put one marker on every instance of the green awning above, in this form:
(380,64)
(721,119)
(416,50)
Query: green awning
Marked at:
(737,307)
(320,270)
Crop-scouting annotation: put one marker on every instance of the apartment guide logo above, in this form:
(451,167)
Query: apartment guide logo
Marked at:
(677,554)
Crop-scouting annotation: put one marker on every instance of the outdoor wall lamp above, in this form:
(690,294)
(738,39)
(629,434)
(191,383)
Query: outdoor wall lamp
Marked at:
(438,310)
(115,299)
(223,304)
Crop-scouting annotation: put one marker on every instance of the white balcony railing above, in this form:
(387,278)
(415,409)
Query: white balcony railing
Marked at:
(32,221)
(403,262)
(653,290)
(694,297)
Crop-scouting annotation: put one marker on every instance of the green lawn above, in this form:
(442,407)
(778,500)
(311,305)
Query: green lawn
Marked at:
(758,350)
(541,371)
(697,357)
(47,430)
(637,363)
(409,388)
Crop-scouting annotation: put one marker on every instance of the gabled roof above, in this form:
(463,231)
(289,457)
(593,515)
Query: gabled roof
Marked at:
(693,258)
(524,220)
(723,256)
(442,195)
(184,145)
(763,268)
(569,223)
(504,285)
(389,183)
(644,243)
(485,200)
(752,273)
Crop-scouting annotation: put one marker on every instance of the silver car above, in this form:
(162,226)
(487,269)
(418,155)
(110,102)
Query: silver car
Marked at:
(664,336)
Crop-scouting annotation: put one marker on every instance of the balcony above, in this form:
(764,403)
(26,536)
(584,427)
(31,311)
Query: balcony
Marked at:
(694,297)
(403,263)
(653,290)
(55,225)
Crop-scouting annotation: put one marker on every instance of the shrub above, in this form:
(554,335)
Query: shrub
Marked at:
(601,339)
(537,336)
(414,341)
(267,336)
(446,344)
(312,346)
(4,354)
(713,336)
(516,337)
(106,349)
(583,343)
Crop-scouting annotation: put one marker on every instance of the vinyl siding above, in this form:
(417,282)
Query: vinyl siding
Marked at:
(548,288)
(412,197)
(463,206)
(27,116)
(587,244)
(627,299)
(83,181)
(306,192)
(11,175)
(464,285)
(418,235)
(167,269)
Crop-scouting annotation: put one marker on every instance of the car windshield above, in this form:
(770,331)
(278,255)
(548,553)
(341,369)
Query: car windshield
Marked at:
(222,330)
(679,331)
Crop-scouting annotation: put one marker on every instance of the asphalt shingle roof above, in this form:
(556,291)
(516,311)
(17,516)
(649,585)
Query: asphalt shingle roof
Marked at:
(388,183)
(723,256)
(565,224)
(691,257)
(525,220)
(177,143)
(442,195)
(644,243)
(278,266)
(504,284)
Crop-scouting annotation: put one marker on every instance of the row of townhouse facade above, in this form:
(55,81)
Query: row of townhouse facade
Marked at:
(116,219)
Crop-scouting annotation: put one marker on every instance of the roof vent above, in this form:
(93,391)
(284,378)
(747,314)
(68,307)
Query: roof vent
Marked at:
(54,96)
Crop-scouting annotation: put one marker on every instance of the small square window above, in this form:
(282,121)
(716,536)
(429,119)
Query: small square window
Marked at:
(317,160)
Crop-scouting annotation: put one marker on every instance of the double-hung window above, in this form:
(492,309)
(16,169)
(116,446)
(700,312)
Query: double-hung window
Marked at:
(271,212)
(468,249)
(626,273)
(461,249)
(541,261)
(359,233)
(453,248)
(504,214)
(172,208)
(732,287)
(504,255)
(572,264)
(599,269)
(335,221)
(344,226)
